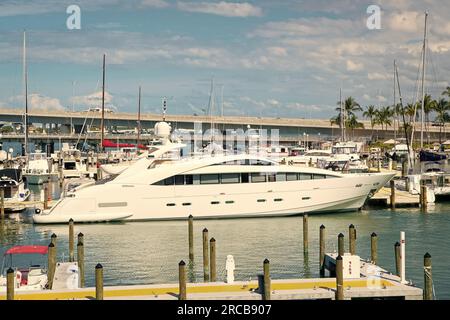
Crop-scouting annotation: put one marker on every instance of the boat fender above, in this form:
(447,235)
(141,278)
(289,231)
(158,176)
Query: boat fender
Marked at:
(37,211)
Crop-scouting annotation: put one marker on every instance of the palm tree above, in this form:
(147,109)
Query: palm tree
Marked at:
(352,123)
(441,108)
(384,116)
(429,106)
(446,92)
(350,108)
(371,113)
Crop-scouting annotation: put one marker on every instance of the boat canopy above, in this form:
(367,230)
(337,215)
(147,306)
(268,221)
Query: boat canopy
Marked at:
(27,250)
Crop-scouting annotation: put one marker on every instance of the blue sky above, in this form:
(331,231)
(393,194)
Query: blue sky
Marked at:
(284,58)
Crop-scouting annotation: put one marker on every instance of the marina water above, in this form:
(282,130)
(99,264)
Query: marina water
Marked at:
(149,252)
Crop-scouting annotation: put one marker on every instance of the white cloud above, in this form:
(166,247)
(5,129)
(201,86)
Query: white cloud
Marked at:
(222,8)
(377,76)
(93,99)
(37,101)
(405,21)
(354,66)
(367,97)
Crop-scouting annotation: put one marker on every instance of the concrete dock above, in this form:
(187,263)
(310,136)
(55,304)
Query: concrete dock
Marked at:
(402,198)
(384,286)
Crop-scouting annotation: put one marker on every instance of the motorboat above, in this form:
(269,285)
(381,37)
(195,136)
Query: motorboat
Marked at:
(71,162)
(14,189)
(38,169)
(219,186)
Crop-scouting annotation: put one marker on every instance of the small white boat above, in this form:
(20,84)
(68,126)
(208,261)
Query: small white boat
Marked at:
(39,169)
(71,162)
(14,189)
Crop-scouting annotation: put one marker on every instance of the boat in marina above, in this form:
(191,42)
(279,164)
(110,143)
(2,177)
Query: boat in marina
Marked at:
(220,186)
(13,186)
(39,168)
(71,161)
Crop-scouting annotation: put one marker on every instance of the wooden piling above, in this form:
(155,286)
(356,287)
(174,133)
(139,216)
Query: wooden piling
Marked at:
(404,168)
(191,237)
(339,278)
(379,165)
(341,248)
(2,203)
(71,236)
(428,279)
(51,265)
(182,280)
(267,284)
(99,282)
(423,195)
(46,197)
(374,248)
(205,255)
(394,165)
(322,250)
(10,283)
(397,258)
(53,239)
(305,233)
(407,184)
(352,239)
(392,194)
(212,258)
(80,259)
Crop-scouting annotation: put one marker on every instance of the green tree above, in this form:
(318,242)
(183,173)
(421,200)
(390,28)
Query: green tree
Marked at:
(371,114)
(441,108)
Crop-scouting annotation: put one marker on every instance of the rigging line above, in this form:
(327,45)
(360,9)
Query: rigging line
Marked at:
(415,101)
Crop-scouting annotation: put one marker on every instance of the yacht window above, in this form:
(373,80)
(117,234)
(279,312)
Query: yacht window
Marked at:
(331,177)
(261,200)
(291,176)
(189,179)
(215,202)
(159,183)
(319,176)
(209,178)
(305,176)
(278,200)
(281,176)
(271,177)
(170,204)
(186,204)
(258,177)
(244,178)
(196,179)
(230,177)
(179,180)
(169,181)
(229,202)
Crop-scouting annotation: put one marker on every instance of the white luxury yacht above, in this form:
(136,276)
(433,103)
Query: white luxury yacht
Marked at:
(212,187)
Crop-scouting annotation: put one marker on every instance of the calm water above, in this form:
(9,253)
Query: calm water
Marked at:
(149,252)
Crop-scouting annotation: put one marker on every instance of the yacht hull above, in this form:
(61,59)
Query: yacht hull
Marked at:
(151,202)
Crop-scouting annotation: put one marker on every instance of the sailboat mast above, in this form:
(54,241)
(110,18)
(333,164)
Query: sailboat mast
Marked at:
(424,56)
(103,104)
(395,106)
(139,117)
(25,86)
(342,117)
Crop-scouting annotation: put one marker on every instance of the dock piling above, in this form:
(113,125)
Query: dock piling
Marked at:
(99,282)
(51,265)
(212,258)
(352,239)
(53,239)
(404,168)
(2,203)
(341,248)
(423,195)
(80,259)
(46,197)
(267,285)
(205,255)
(191,237)
(305,233)
(10,279)
(339,278)
(374,248)
(392,194)
(322,250)
(428,279)
(397,258)
(71,240)
(182,280)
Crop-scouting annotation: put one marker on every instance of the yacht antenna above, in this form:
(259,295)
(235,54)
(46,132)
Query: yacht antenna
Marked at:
(25,85)
(139,118)
(164,108)
(103,104)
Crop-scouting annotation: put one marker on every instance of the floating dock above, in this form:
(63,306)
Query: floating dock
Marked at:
(402,198)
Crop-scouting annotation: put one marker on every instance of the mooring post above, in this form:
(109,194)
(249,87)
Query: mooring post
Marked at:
(392,194)
(423,195)
(51,265)
(99,282)
(339,278)
(212,258)
(394,165)
(53,239)
(205,255)
(352,239)
(182,280)
(267,285)
(407,184)
(10,283)
(191,237)
(46,197)
(428,278)
(374,248)
(397,258)
(341,248)
(305,233)
(2,203)
(80,258)
(404,168)
(71,240)
(379,165)
(322,250)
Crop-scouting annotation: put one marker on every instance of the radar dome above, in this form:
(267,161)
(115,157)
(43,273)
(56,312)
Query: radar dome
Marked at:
(162,129)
